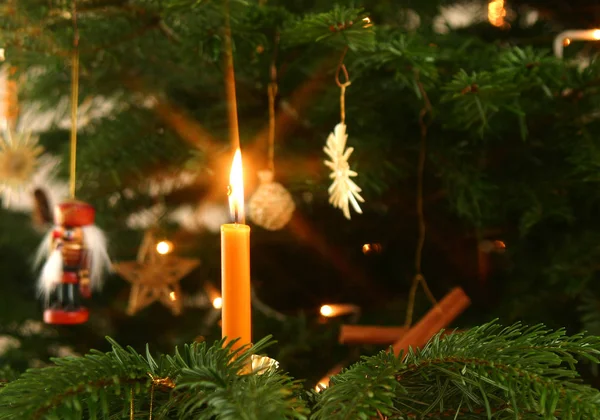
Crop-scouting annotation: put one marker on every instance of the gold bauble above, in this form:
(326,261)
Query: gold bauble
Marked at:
(271,206)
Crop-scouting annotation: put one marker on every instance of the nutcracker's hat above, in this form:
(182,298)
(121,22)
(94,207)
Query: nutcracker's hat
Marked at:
(74,213)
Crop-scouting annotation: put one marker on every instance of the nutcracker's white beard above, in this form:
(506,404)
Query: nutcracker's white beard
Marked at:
(95,244)
(51,274)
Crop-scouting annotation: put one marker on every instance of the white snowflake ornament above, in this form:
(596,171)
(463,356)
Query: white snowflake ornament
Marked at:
(343,191)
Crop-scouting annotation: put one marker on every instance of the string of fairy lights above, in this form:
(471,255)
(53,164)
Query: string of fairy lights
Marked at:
(498,12)
(564,39)
(164,247)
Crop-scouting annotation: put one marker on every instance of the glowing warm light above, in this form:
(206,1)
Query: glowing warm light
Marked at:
(367,21)
(321,386)
(326,310)
(236,188)
(339,310)
(371,248)
(496,12)
(2,57)
(565,38)
(172,296)
(214,296)
(500,244)
(217,302)
(164,247)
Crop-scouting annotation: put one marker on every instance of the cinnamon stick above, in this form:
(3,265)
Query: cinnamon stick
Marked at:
(370,334)
(440,316)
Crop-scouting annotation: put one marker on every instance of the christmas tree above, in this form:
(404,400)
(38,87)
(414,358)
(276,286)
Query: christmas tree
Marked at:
(469,162)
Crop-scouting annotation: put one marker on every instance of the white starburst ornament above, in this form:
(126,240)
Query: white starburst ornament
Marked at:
(23,169)
(343,190)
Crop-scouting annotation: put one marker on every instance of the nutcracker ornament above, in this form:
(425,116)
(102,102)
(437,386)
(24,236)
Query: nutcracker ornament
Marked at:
(76,259)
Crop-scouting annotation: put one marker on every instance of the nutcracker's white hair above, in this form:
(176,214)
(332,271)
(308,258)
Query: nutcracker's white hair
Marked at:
(52,269)
(51,274)
(96,247)
(43,250)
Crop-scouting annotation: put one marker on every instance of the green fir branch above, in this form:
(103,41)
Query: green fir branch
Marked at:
(341,27)
(224,388)
(208,381)
(46,392)
(488,371)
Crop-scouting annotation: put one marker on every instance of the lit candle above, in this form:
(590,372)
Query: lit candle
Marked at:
(235,263)
(564,38)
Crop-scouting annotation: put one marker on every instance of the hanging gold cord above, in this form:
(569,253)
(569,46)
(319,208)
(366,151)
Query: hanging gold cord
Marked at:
(234,131)
(163,383)
(11,99)
(151,400)
(342,86)
(419,278)
(131,406)
(272,96)
(74,102)
(273,90)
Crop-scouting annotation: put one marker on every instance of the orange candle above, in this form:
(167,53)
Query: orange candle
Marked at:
(235,263)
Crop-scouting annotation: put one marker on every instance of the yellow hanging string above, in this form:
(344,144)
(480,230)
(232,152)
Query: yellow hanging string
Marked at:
(272,96)
(273,90)
(151,400)
(11,100)
(234,131)
(343,86)
(131,406)
(74,102)
(419,278)
(164,383)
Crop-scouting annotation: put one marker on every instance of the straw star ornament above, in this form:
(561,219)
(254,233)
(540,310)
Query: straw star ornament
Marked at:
(154,278)
(19,161)
(343,191)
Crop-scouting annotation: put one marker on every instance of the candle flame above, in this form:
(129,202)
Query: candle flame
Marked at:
(236,188)
(173,296)
(596,34)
